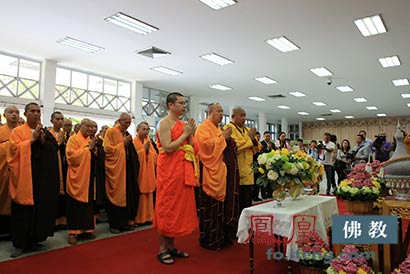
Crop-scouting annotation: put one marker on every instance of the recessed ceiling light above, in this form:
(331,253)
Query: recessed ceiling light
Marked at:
(344,88)
(284,107)
(297,94)
(216,59)
(321,72)
(349,117)
(303,113)
(401,82)
(320,119)
(408,104)
(405,95)
(319,104)
(360,100)
(372,108)
(165,70)
(131,23)
(392,61)
(220,87)
(78,44)
(266,80)
(381,114)
(282,44)
(335,110)
(218,4)
(370,25)
(257,99)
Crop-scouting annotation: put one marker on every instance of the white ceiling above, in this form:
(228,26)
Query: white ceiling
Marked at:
(323,29)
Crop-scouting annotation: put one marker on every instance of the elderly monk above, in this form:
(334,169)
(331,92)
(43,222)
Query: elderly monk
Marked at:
(81,156)
(247,146)
(175,212)
(121,176)
(34,185)
(211,142)
(12,114)
(147,157)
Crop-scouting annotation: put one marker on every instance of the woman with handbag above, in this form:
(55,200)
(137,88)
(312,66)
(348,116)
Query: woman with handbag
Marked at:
(342,161)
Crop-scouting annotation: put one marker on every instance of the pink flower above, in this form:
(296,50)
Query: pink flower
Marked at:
(350,268)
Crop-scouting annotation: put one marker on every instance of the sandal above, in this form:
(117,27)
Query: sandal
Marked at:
(178,253)
(165,258)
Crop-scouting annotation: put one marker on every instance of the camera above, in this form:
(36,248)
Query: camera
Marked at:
(320,146)
(378,142)
(350,155)
(329,82)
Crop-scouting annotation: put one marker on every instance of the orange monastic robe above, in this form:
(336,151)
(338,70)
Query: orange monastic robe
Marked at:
(79,162)
(19,160)
(211,144)
(115,167)
(60,161)
(175,212)
(5,200)
(146,180)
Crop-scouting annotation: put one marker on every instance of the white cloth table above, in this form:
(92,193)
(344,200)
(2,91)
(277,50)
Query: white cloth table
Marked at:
(323,207)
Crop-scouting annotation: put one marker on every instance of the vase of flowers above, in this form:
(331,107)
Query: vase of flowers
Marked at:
(290,170)
(404,267)
(312,252)
(361,188)
(349,262)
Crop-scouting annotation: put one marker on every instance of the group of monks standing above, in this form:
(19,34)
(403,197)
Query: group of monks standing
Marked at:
(48,175)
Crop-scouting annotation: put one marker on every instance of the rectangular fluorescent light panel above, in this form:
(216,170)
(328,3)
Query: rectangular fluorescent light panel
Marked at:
(131,23)
(71,42)
(297,94)
(283,107)
(165,70)
(257,99)
(349,117)
(321,72)
(360,100)
(266,80)
(344,88)
(370,25)
(216,59)
(408,104)
(282,44)
(401,82)
(303,113)
(381,114)
(392,61)
(220,87)
(218,4)
(372,108)
(319,104)
(405,95)
(320,119)
(335,110)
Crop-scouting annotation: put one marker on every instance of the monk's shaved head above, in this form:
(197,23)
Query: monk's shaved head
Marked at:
(10,108)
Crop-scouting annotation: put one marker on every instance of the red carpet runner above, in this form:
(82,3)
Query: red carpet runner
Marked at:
(135,253)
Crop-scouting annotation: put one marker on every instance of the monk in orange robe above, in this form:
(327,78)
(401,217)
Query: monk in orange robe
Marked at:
(81,156)
(121,172)
(56,136)
(33,187)
(147,157)
(211,143)
(11,113)
(175,212)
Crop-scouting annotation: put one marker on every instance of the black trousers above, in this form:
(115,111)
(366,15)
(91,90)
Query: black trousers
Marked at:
(330,177)
(245,196)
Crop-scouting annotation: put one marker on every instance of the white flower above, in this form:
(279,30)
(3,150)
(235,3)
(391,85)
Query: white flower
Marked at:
(300,166)
(366,189)
(375,190)
(276,156)
(272,175)
(262,159)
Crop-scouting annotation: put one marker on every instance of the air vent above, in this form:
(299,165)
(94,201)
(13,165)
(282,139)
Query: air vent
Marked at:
(204,104)
(153,52)
(275,96)
(326,114)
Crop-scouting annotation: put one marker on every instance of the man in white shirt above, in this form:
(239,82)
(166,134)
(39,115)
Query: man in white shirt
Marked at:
(326,158)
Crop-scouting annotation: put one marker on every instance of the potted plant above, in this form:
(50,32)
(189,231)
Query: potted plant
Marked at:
(312,252)
(349,262)
(361,188)
(284,169)
(404,267)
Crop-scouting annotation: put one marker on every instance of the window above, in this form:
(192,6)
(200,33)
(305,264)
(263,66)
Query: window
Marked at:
(294,132)
(93,91)
(250,123)
(19,77)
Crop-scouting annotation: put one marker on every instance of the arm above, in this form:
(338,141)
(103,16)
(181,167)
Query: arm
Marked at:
(164,133)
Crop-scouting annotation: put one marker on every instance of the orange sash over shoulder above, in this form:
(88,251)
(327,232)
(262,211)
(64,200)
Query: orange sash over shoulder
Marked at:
(5,201)
(148,162)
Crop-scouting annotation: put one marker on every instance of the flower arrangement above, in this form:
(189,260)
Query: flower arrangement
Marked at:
(349,262)
(312,250)
(404,267)
(362,183)
(292,170)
